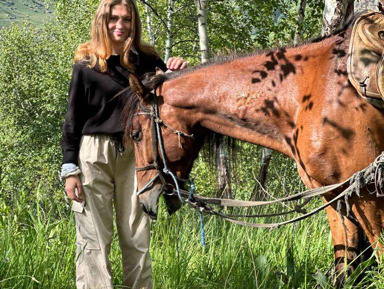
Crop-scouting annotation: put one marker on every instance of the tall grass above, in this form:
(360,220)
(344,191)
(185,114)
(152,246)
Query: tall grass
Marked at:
(37,247)
(37,251)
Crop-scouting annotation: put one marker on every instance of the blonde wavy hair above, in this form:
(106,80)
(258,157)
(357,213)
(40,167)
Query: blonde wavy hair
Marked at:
(99,49)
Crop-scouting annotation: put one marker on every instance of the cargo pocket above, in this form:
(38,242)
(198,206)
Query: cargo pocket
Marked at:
(91,271)
(85,228)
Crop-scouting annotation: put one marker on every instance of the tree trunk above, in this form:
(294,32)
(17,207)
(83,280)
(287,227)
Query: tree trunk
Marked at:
(258,189)
(149,26)
(169,40)
(224,178)
(336,14)
(300,20)
(202,6)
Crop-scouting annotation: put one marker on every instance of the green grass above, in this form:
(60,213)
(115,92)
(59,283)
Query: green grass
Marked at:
(20,10)
(37,250)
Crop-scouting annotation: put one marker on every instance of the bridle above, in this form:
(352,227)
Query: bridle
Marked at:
(157,145)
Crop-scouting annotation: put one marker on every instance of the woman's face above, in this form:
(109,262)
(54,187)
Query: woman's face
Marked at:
(119,26)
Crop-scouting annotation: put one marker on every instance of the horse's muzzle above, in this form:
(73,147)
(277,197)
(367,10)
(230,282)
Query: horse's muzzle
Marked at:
(149,201)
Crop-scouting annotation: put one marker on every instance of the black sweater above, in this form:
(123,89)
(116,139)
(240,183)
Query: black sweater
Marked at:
(92,107)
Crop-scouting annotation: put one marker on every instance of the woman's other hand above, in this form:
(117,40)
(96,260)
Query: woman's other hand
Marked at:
(176,63)
(73,183)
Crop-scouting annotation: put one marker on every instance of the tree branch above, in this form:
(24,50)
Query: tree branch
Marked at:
(155,12)
(182,41)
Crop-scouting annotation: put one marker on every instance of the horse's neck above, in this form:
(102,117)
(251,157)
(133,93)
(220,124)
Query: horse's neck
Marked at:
(255,98)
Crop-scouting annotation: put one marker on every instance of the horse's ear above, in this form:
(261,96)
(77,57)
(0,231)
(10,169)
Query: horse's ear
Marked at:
(159,71)
(137,86)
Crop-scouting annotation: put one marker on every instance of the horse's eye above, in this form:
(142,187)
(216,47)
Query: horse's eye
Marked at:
(136,135)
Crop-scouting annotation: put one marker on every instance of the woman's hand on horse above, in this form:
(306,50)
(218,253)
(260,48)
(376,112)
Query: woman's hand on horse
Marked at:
(71,184)
(176,63)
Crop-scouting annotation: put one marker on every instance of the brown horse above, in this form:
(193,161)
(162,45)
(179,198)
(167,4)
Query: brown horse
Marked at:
(297,101)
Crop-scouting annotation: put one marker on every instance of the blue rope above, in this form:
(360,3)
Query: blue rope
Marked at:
(190,197)
(202,229)
(191,189)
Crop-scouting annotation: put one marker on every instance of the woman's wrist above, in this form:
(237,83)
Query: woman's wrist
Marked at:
(69,169)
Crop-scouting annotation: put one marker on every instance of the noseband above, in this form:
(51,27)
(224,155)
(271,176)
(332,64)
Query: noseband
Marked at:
(157,144)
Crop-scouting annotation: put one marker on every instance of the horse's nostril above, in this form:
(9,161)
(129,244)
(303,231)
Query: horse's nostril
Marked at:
(150,213)
(153,216)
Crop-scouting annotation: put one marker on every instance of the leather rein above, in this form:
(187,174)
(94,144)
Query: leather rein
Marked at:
(370,174)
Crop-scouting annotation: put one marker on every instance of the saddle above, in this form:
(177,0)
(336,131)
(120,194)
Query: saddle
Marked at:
(365,60)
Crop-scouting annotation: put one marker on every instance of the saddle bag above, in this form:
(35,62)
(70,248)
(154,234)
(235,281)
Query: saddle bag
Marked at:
(365,60)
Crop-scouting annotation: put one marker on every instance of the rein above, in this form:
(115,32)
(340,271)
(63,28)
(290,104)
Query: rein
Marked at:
(373,174)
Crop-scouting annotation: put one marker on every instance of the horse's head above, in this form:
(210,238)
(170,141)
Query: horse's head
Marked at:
(159,132)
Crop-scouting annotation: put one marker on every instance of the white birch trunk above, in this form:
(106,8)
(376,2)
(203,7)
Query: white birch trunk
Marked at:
(203,34)
(149,25)
(169,40)
(336,14)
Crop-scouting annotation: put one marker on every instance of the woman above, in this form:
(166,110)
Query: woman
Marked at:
(99,173)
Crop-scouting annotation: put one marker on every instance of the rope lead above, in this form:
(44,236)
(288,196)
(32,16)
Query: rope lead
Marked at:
(202,228)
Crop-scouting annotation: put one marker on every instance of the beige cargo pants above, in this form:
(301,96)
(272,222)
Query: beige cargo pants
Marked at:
(109,181)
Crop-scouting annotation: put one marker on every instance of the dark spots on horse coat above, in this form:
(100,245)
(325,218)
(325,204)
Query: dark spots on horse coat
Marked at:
(270,65)
(291,123)
(288,68)
(306,97)
(341,72)
(280,54)
(339,52)
(270,108)
(309,106)
(295,151)
(291,146)
(298,57)
(363,106)
(347,133)
(263,74)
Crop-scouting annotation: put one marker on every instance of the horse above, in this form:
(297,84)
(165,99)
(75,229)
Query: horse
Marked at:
(296,100)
